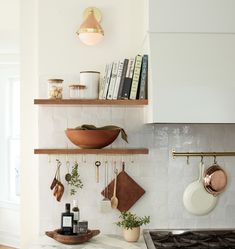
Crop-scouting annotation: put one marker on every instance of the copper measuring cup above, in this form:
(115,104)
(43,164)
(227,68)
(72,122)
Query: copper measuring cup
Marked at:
(215,179)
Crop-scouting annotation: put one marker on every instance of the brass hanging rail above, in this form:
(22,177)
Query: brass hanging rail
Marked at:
(202,154)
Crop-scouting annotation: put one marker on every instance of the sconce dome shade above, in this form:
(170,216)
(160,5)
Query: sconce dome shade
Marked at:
(90,39)
(90,31)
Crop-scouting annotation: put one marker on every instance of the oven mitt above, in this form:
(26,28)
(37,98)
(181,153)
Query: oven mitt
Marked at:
(107,127)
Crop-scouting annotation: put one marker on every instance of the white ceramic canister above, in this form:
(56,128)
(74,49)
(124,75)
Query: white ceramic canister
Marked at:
(90,79)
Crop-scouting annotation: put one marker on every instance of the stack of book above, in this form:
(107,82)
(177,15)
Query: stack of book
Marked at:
(125,79)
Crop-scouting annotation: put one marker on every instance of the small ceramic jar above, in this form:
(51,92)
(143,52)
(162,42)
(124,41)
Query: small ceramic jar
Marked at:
(91,80)
(77,91)
(82,226)
(55,89)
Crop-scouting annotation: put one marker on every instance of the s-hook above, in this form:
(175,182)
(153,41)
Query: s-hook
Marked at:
(215,161)
(187,160)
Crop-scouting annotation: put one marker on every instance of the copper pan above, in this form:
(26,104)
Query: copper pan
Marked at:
(215,179)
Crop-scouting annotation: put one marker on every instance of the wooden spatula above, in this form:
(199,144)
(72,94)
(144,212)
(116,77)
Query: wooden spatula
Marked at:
(114,199)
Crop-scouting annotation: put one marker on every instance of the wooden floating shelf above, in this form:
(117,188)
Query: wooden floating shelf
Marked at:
(92,151)
(119,102)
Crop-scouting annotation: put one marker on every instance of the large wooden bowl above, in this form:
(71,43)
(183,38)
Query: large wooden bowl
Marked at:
(92,139)
(72,239)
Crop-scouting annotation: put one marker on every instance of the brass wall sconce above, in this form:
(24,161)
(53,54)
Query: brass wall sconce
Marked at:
(90,31)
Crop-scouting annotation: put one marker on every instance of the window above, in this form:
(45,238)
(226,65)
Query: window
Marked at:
(14,139)
(9,134)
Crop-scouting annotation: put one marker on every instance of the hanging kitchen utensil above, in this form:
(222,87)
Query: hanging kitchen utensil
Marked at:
(105,205)
(128,191)
(57,186)
(68,176)
(215,179)
(54,181)
(114,199)
(97,164)
(196,199)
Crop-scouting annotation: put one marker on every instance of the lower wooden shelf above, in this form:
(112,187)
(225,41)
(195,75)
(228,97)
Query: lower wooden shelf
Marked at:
(118,151)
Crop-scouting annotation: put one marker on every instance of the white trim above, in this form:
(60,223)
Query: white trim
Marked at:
(10,205)
(9,239)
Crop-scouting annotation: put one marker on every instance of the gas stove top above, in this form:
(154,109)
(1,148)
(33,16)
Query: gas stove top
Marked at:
(191,239)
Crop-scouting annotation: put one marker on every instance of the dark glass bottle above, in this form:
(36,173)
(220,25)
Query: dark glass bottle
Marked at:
(76,213)
(67,221)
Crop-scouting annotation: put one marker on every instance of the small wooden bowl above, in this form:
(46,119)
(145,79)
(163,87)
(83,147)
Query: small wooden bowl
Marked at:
(71,239)
(92,139)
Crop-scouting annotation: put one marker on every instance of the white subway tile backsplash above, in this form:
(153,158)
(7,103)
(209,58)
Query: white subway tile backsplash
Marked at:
(163,178)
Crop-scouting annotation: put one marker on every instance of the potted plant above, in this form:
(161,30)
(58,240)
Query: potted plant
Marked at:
(131,225)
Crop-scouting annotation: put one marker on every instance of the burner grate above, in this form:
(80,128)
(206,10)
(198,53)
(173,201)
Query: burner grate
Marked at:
(193,239)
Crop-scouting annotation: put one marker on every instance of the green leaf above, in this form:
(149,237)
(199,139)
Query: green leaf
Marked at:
(130,220)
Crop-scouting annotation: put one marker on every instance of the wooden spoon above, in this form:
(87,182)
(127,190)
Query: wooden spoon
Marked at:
(114,199)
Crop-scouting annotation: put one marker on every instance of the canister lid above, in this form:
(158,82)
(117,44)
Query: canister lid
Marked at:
(55,80)
(90,72)
(77,86)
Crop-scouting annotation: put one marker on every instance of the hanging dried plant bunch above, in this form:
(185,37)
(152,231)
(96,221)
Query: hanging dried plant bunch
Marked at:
(75,181)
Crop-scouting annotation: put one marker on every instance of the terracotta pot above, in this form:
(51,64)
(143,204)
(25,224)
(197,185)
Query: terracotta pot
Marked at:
(131,235)
(92,139)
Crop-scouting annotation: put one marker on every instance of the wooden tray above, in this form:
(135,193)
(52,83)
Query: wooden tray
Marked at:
(71,239)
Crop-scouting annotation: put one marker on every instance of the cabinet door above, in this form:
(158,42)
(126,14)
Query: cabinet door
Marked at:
(192,16)
(192,78)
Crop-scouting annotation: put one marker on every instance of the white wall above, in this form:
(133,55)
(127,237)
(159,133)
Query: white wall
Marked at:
(10,226)
(29,168)
(51,48)
(9,26)
(66,58)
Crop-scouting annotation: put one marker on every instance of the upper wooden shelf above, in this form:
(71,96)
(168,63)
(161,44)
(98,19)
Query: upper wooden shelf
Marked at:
(119,102)
(111,151)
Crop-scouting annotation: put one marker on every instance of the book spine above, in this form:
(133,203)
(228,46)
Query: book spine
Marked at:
(128,79)
(107,81)
(143,78)
(113,80)
(125,65)
(102,82)
(136,77)
(132,66)
(119,75)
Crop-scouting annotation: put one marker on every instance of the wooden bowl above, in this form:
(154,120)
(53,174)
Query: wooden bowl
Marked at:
(71,239)
(92,139)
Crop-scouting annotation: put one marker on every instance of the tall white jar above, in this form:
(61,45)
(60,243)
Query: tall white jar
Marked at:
(90,79)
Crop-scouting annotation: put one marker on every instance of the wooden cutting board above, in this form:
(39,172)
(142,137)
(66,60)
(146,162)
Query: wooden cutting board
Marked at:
(128,191)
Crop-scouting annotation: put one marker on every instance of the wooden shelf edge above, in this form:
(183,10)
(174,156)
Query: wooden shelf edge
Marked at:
(90,102)
(118,151)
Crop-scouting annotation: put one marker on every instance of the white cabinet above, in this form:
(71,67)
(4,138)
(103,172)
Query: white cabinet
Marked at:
(192,78)
(216,16)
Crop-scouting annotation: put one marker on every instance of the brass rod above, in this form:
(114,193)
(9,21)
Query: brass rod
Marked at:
(204,154)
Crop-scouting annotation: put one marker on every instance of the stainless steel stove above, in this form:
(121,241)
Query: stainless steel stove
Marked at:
(192,239)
